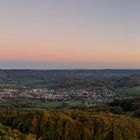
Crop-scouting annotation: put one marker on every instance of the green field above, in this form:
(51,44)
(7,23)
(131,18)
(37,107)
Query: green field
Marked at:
(34,103)
(135,91)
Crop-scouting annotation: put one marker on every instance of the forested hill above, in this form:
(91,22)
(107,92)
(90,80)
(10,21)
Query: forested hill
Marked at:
(66,125)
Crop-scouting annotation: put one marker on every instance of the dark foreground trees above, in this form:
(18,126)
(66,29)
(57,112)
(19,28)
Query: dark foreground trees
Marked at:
(66,125)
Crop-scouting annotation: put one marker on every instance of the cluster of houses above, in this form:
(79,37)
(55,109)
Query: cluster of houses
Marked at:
(86,95)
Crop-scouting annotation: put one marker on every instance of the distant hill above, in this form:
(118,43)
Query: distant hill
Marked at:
(70,78)
(18,74)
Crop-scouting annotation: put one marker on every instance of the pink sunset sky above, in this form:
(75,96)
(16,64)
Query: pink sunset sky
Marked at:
(61,34)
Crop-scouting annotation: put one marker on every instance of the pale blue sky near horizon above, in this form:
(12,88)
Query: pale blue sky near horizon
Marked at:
(57,34)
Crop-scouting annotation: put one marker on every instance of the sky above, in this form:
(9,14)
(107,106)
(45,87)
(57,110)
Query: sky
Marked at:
(69,34)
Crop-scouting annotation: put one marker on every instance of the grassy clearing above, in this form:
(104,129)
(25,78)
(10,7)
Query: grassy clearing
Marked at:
(55,105)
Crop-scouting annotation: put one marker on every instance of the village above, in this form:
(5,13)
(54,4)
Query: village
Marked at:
(87,96)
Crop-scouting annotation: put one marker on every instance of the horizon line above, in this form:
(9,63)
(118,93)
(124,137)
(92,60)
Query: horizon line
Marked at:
(67,69)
